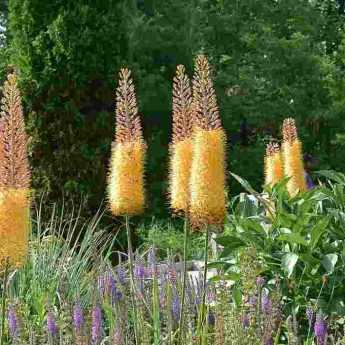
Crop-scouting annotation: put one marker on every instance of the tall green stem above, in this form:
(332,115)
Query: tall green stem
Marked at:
(132,283)
(3,304)
(184,281)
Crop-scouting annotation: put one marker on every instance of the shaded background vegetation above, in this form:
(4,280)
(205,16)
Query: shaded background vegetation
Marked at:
(271,59)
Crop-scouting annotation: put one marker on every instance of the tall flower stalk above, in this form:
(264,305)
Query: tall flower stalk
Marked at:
(14,178)
(180,164)
(293,159)
(126,177)
(207,180)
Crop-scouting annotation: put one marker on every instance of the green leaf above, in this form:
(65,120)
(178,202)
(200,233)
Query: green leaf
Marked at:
(293,239)
(245,184)
(230,242)
(332,175)
(317,232)
(237,297)
(329,261)
(289,261)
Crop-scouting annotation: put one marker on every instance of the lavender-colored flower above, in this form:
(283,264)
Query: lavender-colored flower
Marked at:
(320,329)
(175,306)
(260,281)
(78,318)
(121,275)
(139,270)
(12,323)
(309,312)
(96,324)
(51,324)
(266,303)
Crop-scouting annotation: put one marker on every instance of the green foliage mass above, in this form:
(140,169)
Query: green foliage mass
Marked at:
(271,60)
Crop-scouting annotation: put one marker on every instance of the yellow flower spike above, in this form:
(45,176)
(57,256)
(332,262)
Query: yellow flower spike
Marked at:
(126,195)
(274,170)
(14,225)
(14,179)
(292,157)
(181,147)
(126,182)
(207,181)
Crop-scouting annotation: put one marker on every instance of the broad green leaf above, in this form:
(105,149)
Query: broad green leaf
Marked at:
(329,261)
(289,261)
(293,239)
(317,232)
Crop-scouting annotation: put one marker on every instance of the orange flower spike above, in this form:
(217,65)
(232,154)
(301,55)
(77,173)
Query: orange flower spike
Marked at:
(181,146)
(292,157)
(14,178)
(274,170)
(207,181)
(126,176)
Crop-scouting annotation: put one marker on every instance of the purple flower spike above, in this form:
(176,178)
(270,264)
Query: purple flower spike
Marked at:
(12,323)
(320,329)
(51,324)
(96,324)
(266,304)
(78,318)
(121,275)
(152,261)
(139,270)
(310,316)
(175,306)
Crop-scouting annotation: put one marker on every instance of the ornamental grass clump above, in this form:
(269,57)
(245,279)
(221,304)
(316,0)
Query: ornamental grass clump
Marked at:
(292,157)
(274,170)
(126,176)
(181,147)
(14,179)
(207,180)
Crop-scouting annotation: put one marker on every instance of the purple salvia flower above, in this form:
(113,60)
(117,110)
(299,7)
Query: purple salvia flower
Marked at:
(175,306)
(139,270)
(121,275)
(96,326)
(309,312)
(101,285)
(51,324)
(78,318)
(12,323)
(266,303)
(320,329)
